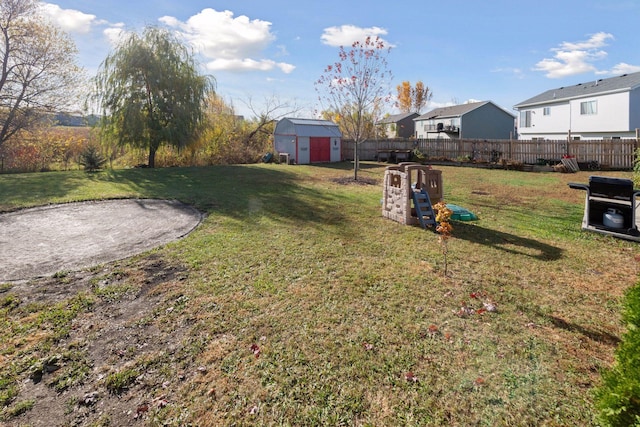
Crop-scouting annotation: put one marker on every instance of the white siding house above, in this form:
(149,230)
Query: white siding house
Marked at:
(600,109)
(475,120)
(308,140)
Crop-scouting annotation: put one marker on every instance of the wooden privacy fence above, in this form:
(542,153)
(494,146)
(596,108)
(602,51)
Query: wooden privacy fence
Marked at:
(608,153)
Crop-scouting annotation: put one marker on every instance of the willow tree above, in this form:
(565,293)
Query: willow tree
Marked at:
(150,92)
(357,86)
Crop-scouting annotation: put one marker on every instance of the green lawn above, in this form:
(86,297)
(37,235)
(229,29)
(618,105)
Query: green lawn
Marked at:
(306,307)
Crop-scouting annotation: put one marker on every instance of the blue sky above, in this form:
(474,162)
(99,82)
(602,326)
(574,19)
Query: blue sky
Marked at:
(503,51)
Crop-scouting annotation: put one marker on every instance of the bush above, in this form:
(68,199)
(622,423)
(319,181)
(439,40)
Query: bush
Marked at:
(618,398)
(91,158)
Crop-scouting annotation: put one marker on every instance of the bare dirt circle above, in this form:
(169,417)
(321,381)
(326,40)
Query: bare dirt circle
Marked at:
(41,241)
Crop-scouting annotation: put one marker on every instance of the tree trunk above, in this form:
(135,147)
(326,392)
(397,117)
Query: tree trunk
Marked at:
(152,156)
(355,161)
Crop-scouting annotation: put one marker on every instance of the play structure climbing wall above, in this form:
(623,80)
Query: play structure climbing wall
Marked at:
(400,181)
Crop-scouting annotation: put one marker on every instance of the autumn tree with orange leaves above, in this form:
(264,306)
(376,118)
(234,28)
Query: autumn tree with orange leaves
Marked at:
(413,99)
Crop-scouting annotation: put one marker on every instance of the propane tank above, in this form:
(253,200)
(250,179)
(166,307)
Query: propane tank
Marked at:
(613,219)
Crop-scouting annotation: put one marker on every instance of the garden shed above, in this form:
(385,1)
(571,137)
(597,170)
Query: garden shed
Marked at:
(305,141)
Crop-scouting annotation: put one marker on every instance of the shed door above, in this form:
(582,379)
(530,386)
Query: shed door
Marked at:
(320,149)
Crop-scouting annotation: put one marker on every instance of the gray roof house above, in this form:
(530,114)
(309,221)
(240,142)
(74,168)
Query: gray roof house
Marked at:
(398,125)
(475,120)
(308,140)
(599,109)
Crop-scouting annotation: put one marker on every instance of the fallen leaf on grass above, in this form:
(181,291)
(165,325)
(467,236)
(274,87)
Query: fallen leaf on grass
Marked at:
(409,376)
(160,401)
(256,350)
(367,346)
(142,409)
(490,307)
(465,311)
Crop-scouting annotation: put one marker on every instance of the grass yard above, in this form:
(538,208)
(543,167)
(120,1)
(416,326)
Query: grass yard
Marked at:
(297,303)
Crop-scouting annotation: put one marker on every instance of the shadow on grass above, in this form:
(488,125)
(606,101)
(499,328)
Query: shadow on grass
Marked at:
(238,191)
(598,336)
(19,190)
(506,242)
(347,165)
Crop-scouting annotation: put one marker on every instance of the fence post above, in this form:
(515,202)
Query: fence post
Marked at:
(510,145)
(635,149)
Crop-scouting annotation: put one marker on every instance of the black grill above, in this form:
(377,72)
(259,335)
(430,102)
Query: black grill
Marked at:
(611,188)
(607,193)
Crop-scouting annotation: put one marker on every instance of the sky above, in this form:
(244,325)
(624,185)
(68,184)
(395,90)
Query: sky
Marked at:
(263,52)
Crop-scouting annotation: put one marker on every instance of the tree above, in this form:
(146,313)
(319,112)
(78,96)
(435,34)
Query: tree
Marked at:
(370,129)
(421,96)
(263,121)
(91,158)
(150,92)
(405,101)
(413,99)
(356,86)
(38,73)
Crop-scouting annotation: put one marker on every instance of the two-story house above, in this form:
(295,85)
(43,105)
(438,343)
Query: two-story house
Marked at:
(475,120)
(398,125)
(599,109)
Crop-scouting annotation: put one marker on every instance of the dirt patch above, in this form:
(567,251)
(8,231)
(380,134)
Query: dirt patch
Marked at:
(130,333)
(359,181)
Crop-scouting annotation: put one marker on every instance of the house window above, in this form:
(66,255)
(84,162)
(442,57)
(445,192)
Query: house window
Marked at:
(546,111)
(589,107)
(525,119)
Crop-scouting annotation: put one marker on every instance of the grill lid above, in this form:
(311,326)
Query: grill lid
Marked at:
(611,188)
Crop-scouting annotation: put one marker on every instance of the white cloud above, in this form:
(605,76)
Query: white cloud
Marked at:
(247,64)
(621,68)
(346,35)
(115,33)
(596,41)
(231,43)
(69,20)
(573,58)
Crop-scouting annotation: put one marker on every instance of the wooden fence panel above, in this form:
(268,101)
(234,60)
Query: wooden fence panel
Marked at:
(612,153)
(535,152)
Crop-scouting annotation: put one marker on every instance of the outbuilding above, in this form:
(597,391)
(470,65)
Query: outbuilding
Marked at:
(306,141)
